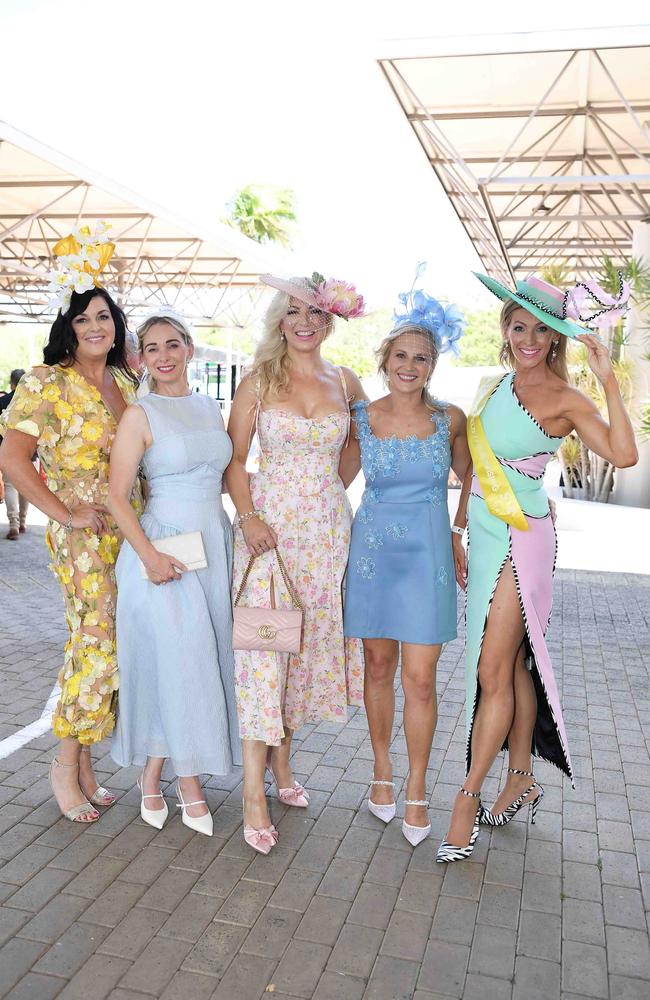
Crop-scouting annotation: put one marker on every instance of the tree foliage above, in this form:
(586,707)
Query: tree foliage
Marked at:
(481,341)
(354,344)
(263,212)
(14,352)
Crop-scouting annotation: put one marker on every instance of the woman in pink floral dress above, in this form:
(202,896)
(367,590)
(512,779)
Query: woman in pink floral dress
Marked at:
(299,405)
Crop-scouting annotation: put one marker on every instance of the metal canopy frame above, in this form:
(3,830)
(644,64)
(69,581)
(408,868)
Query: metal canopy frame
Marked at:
(207,273)
(544,155)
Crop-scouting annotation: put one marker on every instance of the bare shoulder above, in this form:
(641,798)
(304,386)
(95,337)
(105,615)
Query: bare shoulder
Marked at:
(571,400)
(134,418)
(456,415)
(457,418)
(353,384)
(246,394)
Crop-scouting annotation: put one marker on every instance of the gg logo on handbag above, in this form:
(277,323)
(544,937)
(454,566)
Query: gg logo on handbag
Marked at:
(272,629)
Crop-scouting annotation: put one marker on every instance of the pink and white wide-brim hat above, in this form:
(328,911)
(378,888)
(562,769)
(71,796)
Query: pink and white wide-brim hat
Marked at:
(331,295)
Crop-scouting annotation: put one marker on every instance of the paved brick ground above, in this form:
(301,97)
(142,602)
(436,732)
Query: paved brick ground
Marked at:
(343,908)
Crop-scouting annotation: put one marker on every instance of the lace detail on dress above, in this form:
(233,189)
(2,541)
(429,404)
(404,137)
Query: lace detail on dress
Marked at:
(385,456)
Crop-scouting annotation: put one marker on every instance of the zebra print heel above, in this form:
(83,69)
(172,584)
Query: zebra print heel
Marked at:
(449,852)
(489,818)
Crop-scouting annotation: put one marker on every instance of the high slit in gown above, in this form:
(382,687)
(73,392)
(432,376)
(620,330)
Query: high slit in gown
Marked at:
(523,450)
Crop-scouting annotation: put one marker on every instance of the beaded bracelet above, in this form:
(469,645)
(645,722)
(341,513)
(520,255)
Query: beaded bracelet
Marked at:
(247,516)
(67,524)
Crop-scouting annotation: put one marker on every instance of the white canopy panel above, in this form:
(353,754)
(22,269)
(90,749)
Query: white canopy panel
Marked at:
(544,152)
(206,272)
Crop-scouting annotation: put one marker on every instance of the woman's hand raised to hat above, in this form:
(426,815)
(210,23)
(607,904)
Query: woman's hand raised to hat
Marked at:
(598,357)
(259,537)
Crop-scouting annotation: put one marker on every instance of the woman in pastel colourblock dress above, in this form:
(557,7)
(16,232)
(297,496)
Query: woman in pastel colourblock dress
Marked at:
(67,410)
(401,586)
(516,427)
(174,626)
(298,403)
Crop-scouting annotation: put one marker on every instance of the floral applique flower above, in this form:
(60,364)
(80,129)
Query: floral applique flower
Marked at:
(436,496)
(366,568)
(396,530)
(374,539)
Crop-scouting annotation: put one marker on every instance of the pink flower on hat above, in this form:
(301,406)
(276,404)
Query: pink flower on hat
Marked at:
(339,298)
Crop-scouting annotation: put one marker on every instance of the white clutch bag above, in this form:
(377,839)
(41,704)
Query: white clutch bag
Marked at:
(187,548)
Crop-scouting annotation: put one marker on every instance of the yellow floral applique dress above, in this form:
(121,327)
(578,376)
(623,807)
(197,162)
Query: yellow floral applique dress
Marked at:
(75,431)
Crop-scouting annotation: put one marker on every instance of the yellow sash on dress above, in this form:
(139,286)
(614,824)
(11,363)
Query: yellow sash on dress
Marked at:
(497,491)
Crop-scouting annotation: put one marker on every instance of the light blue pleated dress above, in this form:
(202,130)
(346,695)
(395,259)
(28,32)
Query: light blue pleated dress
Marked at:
(400,579)
(174,642)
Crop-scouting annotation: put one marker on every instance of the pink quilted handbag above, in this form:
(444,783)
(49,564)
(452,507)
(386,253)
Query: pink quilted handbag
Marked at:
(270,629)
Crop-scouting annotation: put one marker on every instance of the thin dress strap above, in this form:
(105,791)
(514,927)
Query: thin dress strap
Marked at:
(255,427)
(347,401)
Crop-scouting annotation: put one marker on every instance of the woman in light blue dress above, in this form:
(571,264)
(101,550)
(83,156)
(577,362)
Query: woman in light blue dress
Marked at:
(401,584)
(174,626)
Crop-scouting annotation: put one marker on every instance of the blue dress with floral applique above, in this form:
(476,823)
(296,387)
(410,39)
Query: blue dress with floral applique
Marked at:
(400,579)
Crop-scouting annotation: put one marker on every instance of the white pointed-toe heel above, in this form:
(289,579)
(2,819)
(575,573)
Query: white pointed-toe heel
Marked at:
(383,812)
(154,817)
(415,834)
(201,824)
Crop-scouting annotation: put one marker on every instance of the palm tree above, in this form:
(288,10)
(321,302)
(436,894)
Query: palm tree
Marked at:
(263,213)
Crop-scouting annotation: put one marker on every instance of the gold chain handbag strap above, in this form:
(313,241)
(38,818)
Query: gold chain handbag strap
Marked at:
(295,600)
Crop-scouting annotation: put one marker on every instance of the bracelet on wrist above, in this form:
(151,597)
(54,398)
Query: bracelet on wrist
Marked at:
(67,524)
(457,530)
(247,516)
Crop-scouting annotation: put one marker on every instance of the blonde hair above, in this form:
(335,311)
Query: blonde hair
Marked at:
(557,364)
(271,364)
(173,319)
(383,353)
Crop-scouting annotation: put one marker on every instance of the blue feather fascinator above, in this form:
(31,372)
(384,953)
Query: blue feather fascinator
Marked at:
(416,308)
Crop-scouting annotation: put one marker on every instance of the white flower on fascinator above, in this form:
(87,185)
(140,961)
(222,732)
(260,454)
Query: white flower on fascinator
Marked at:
(82,256)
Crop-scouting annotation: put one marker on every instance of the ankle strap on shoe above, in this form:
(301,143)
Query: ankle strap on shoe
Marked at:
(471,795)
(378,781)
(416,802)
(515,770)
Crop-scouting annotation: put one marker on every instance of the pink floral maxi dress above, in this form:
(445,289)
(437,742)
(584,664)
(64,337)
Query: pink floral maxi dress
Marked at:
(303,499)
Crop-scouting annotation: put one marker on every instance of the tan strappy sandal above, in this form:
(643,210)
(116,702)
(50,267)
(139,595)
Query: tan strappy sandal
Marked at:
(76,814)
(101,796)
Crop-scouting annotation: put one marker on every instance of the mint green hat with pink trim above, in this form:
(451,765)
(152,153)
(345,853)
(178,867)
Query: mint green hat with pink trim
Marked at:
(585,301)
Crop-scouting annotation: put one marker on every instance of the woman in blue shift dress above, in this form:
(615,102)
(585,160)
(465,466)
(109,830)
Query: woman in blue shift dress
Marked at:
(401,585)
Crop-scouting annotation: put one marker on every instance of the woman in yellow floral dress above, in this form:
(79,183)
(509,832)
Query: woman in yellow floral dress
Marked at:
(68,410)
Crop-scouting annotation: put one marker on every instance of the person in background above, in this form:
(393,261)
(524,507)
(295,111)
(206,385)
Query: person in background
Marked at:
(17,505)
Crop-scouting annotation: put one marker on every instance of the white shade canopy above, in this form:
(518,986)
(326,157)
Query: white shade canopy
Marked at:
(543,149)
(206,271)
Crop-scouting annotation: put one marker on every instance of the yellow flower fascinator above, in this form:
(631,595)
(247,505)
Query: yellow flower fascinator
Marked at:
(82,256)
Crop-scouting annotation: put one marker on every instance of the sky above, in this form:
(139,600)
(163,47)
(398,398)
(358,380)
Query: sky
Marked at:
(188,102)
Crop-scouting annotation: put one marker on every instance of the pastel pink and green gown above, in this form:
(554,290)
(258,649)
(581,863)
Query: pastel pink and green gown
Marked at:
(523,450)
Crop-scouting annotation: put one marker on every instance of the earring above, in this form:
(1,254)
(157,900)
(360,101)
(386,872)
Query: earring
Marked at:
(554,350)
